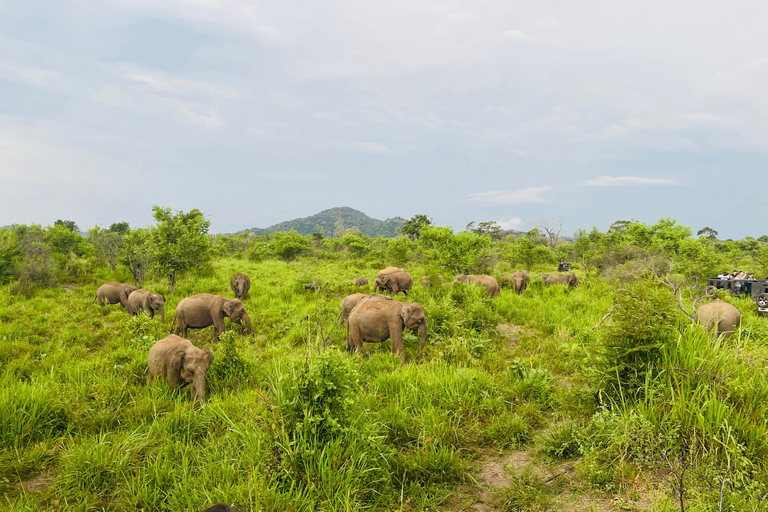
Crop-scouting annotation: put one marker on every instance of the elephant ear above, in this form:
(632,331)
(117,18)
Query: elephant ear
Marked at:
(176,365)
(228,308)
(209,355)
(385,278)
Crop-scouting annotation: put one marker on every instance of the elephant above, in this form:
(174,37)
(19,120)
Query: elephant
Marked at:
(361,281)
(180,363)
(393,280)
(112,293)
(204,309)
(520,280)
(350,301)
(568,279)
(240,285)
(144,300)
(490,283)
(425,282)
(376,320)
(719,317)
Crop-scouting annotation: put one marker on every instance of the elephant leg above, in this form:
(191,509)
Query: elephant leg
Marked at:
(396,337)
(218,327)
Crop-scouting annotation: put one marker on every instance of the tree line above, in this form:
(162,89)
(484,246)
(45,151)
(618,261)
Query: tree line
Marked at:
(32,256)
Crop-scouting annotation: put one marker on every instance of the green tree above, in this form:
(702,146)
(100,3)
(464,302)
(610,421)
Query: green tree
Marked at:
(107,243)
(412,228)
(67,224)
(179,241)
(490,228)
(528,251)
(136,254)
(462,252)
(708,233)
(288,245)
(121,228)
(9,255)
(356,244)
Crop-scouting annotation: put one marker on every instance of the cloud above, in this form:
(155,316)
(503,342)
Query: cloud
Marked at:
(497,197)
(35,77)
(165,83)
(621,181)
(515,223)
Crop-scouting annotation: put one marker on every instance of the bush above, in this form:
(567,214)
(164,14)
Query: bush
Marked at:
(642,322)
(317,400)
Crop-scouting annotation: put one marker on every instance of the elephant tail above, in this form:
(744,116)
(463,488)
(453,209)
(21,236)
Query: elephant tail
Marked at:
(172,325)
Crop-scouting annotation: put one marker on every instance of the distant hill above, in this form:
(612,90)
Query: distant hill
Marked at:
(327,220)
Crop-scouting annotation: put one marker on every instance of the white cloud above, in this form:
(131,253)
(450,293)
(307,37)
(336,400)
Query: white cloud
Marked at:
(515,223)
(620,181)
(165,83)
(525,196)
(377,148)
(36,77)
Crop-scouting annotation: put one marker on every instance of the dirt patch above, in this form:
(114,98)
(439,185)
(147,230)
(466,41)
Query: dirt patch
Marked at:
(37,483)
(512,333)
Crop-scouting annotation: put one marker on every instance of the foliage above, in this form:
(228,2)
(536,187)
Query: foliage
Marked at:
(9,255)
(463,253)
(642,323)
(288,245)
(412,227)
(179,241)
(136,254)
(108,244)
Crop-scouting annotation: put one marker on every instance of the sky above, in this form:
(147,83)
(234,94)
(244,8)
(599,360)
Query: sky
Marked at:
(256,112)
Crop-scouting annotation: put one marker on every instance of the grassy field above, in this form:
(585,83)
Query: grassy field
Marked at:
(512,408)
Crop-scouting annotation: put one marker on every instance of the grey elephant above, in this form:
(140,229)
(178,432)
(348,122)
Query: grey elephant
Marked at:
(393,280)
(240,284)
(350,301)
(221,507)
(114,293)
(361,281)
(180,363)
(375,320)
(719,317)
(518,280)
(567,279)
(490,283)
(144,300)
(204,309)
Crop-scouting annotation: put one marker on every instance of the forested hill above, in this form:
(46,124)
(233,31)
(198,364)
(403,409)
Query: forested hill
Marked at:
(327,220)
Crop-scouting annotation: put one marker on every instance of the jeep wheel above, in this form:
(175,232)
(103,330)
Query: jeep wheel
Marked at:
(709,292)
(762,300)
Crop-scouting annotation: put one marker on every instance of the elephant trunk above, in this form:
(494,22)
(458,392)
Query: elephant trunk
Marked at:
(161,310)
(198,387)
(422,336)
(246,320)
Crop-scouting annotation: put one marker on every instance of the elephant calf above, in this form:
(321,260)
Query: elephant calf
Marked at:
(114,293)
(380,320)
(204,309)
(240,284)
(361,281)
(180,363)
(393,280)
(350,301)
(490,283)
(144,300)
(719,317)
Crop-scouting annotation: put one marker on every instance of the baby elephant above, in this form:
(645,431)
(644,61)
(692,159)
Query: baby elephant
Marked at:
(361,281)
(113,293)
(221,507)
(144,300)
(350,301)
(180,363)
(240,284)
(379,320)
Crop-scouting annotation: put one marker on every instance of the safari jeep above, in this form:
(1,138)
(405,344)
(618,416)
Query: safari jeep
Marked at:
(758,290)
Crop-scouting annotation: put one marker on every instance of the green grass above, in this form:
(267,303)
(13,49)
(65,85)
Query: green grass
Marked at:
(292,420)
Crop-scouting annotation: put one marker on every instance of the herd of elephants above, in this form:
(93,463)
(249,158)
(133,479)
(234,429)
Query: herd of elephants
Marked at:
(370,317)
